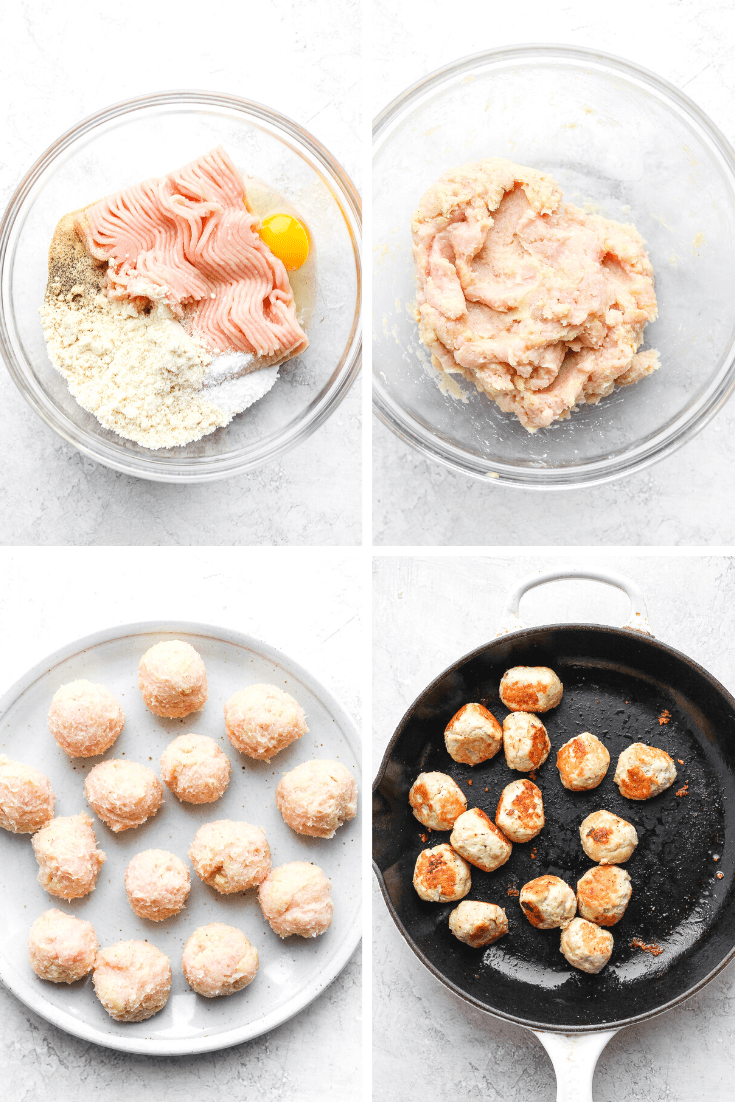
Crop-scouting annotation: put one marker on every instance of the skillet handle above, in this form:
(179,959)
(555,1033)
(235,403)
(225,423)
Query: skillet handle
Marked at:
(574,1056)
(637,621)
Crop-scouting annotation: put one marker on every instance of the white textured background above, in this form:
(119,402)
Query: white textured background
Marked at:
(306,604)
(427,613)
(60,63)
(679,501)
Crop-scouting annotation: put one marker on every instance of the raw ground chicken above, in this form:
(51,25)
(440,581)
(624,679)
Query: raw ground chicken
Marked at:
(219,960)
(296,900)
(157,884)
(317,797)
(132,980)
(539,304)
(61,947)
(67,855)
(190,240)
(26,797)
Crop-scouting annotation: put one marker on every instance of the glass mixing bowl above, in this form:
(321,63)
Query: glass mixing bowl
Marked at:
(149,136)
(616,137)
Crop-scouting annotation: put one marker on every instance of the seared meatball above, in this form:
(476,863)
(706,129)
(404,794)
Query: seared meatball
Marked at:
(317,797)
(123,793)
(132,980)
(478,924)
(85,719)
(526,742)
(61,948)
(603,893)
(262,720)
(607,839)
(520,813)
(67,855)
(172,679)
(586,946)
(530,689)
(547,902)
(26,797)
(476,838)
(441,875)
(644,771)
(473,735)
(582,762)
(437,801)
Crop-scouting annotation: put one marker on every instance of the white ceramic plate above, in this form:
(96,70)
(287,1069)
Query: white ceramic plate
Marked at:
(292,972)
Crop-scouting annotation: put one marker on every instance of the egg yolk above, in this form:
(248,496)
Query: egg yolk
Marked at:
(287,239)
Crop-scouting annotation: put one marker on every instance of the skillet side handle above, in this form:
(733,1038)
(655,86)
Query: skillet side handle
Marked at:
(637,621)
(574,1056)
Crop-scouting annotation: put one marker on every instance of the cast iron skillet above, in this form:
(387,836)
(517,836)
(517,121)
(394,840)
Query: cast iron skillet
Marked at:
(618,684)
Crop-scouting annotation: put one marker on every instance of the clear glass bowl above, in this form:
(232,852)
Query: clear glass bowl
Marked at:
(617,137)
(150,136)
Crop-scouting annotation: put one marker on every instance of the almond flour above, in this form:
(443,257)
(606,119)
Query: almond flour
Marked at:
(139,373)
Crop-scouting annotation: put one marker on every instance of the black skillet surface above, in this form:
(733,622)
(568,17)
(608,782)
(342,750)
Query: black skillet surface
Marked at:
(617,683)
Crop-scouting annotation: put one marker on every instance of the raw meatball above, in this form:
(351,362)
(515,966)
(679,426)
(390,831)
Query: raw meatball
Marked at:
(582,762)
(157,884)
(172,679)
(195,769)
(520,813)
(85,719)
(607,839)
(547,902)
(586,946)
(67,855)
(476,838)
(262,720)
(441,875)
(644,771)
(473,735)
(132,980)
(437,801)
(219,960)
(26,797)
(317,797)
(525,740)
(478,924)
(530,689)
(230,856)
(295,899)
(603,894)
(61,948)
(123,793)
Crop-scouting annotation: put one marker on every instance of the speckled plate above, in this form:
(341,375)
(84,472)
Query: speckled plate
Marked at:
(292,972)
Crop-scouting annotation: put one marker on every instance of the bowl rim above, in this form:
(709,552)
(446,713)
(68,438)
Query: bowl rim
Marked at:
(32,995)
(597,472)
(196,469)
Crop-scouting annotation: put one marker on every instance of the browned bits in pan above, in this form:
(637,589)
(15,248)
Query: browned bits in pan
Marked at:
(654,950)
